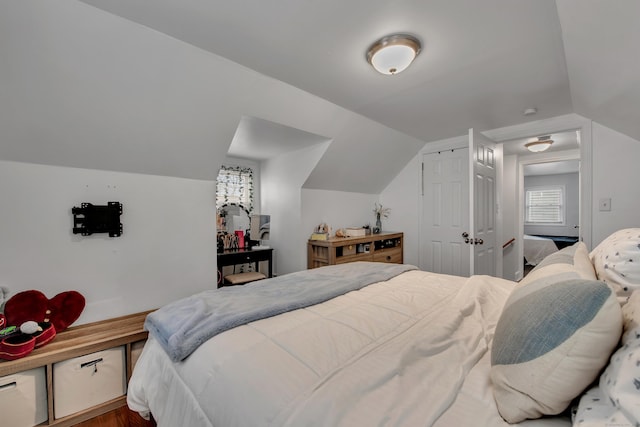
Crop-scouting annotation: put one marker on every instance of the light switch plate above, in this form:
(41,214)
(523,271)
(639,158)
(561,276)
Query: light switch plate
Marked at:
(605,205)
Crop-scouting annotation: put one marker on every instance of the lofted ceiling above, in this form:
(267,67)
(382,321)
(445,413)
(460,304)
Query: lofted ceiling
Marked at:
(259,139)
(483,62)
(171,87)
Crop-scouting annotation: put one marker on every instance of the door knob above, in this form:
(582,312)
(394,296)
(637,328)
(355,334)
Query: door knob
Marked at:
(466,237)
(478,241)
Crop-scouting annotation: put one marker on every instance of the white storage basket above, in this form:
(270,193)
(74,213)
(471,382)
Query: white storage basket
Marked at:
(90,380)
(23,398)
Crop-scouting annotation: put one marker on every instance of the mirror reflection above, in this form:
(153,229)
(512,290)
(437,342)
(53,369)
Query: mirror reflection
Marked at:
(232,222)
(232,218)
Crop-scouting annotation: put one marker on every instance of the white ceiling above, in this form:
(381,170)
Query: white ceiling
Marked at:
(561,142)
(259,139)
(552,168)
(483,62)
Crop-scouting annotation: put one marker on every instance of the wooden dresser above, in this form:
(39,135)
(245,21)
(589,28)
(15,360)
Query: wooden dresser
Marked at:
(383,247)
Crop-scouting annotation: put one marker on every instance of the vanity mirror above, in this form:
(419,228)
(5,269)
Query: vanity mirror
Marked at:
(232,223)
(232,218)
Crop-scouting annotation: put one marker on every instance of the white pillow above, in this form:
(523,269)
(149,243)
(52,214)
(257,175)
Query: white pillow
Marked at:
(617,261)
(570,262)
(551,341)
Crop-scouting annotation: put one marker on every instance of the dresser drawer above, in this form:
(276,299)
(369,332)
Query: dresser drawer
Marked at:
(388,255)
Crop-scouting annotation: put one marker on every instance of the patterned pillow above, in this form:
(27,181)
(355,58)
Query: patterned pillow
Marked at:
(631,318)
(570,262)
(595,410)
(616,401)
(620,382)
(550,343)
(617,261)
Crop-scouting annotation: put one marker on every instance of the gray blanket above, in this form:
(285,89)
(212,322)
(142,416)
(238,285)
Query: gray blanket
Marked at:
(180,327)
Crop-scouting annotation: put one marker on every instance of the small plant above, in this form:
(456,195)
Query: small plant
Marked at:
(380,211)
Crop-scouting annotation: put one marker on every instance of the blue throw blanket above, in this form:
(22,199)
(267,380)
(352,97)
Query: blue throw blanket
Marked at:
(180,327)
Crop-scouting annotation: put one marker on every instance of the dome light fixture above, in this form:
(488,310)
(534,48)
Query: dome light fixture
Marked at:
(543,143)
(394,53)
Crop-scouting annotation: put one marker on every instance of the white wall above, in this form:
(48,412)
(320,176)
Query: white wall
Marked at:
(571,184)
(616,175)
(510,270)
(338,209)
(281,180)
(403,196)
(167,249)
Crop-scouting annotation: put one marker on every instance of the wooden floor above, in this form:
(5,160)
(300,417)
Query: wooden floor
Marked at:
(122,417)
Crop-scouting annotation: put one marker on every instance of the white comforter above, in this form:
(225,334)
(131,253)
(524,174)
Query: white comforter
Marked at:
(537,248)
(395,353)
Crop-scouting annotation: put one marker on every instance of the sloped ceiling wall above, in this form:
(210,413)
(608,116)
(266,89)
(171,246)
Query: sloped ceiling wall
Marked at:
(483,62)
(601,42)
(84,88)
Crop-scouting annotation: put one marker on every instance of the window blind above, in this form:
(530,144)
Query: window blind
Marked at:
(544,206)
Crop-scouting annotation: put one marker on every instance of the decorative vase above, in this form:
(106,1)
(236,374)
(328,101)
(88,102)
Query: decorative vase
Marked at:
(378,228)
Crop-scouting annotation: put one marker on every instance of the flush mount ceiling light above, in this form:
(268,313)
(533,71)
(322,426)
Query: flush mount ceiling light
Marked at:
(394,53)
(543,143)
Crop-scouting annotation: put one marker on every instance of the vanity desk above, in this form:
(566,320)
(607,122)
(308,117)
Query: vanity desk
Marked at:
(230,257)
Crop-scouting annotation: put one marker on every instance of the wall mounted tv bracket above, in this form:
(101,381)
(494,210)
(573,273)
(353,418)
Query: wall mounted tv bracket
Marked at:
(89,219)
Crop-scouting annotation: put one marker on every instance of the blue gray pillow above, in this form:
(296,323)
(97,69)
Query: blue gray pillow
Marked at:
(550,343)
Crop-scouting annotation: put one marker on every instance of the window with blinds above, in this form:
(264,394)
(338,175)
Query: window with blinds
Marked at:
(544,206)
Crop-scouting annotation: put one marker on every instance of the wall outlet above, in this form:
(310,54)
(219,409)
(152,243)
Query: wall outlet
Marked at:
(605,205)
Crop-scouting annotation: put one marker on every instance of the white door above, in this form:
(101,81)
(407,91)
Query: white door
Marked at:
(445,208)
(482,217)
(459,209)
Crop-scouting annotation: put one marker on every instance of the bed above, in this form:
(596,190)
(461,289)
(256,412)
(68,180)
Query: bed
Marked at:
(384,345)
(537,247)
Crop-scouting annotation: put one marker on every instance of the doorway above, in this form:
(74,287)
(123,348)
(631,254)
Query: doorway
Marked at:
(553,172)
(504,136)
(459,207)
